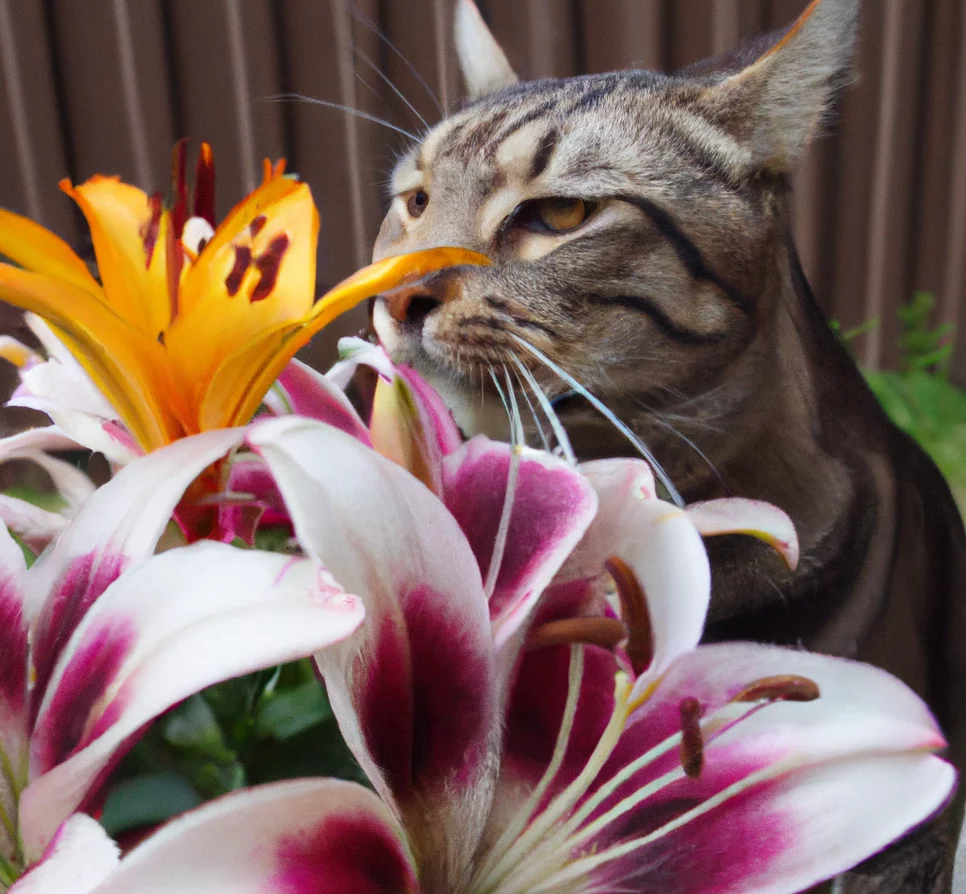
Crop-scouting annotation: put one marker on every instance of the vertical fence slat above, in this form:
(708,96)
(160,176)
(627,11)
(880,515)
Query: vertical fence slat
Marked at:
(342,28)
(623,34)
(241,93)
(725,25)
(133,108)
(16,104)
(954,287)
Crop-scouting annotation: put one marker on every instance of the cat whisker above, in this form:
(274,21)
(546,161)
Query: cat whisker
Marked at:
(544,440)
(388,82)
(366,23)
(559,432)
(513,474)
(602,408)
(358,113)
(667,426)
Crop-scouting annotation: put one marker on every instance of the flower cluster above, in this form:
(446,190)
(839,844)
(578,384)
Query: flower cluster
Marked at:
(510,642)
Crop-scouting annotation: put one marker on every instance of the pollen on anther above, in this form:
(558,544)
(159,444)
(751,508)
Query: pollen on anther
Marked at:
(692,741)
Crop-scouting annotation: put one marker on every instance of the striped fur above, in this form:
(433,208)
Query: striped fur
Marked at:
(680,302)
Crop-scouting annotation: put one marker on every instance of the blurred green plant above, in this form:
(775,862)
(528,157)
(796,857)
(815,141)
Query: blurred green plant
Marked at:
(919,396)
(259,728)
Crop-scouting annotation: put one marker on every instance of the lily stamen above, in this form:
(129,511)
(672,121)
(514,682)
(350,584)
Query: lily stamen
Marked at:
(692,741)
(637,620)
(606,633)
(783,688)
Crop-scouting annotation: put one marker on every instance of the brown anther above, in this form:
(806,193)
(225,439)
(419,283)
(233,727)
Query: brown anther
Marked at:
(692,741)
(637,619)
(783,688)
(603,632)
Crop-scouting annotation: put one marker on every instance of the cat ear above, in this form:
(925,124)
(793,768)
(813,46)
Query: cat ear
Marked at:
(777,103)
(484,65)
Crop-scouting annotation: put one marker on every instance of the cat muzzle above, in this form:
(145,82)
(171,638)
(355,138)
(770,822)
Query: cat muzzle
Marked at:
(413,302)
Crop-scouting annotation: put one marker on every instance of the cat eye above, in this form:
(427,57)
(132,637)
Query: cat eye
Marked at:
(417,202)
(553,215)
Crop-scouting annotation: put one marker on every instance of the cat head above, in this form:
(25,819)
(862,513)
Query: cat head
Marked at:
(632,218)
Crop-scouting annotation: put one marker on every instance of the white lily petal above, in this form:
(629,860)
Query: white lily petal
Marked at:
(184,620)
(79,858)
(307,835)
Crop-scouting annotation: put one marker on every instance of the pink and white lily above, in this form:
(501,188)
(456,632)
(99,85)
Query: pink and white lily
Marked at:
(508,755)
(100,635)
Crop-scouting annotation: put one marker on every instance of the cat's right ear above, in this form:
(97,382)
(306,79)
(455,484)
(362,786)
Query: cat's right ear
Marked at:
(776,104)
(484,65)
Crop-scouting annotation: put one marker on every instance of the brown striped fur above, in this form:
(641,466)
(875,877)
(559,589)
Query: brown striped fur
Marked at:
(680,302)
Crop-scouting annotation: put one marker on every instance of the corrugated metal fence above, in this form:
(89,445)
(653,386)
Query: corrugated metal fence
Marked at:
(108,85)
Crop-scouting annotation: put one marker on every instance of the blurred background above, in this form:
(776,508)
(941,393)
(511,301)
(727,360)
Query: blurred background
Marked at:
(109,85)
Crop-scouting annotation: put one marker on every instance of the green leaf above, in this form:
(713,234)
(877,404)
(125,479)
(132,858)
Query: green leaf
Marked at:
(147,800)
(287,713)
(44,499)
(192,726)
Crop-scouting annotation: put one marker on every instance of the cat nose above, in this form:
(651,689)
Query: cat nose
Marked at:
(414,302)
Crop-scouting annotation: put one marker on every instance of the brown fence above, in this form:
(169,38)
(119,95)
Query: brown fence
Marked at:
(108,85)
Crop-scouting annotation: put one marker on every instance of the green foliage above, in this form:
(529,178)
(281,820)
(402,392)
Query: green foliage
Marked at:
(263,727)
(919,397)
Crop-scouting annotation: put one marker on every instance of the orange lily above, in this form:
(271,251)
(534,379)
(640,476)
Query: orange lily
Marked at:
(189,325)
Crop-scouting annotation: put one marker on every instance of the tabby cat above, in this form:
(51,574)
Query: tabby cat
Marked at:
(639,229)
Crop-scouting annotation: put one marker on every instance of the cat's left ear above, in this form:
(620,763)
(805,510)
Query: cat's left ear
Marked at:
(483,63)
(775,105)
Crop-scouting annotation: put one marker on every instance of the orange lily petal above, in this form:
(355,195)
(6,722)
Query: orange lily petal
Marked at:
(238,290)
(35,248)
(238,386)
(240,217)
(125,366)
(119,216)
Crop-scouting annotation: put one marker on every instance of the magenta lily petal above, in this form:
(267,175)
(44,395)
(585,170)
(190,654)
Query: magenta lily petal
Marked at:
(415,694)
(752,517)
(79,857)
(311,836)
(14,728)
(552,508)
(412,426)
(861,714)
(437,419)
(302,391)
(117,527)
(791,832)
(182,621)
